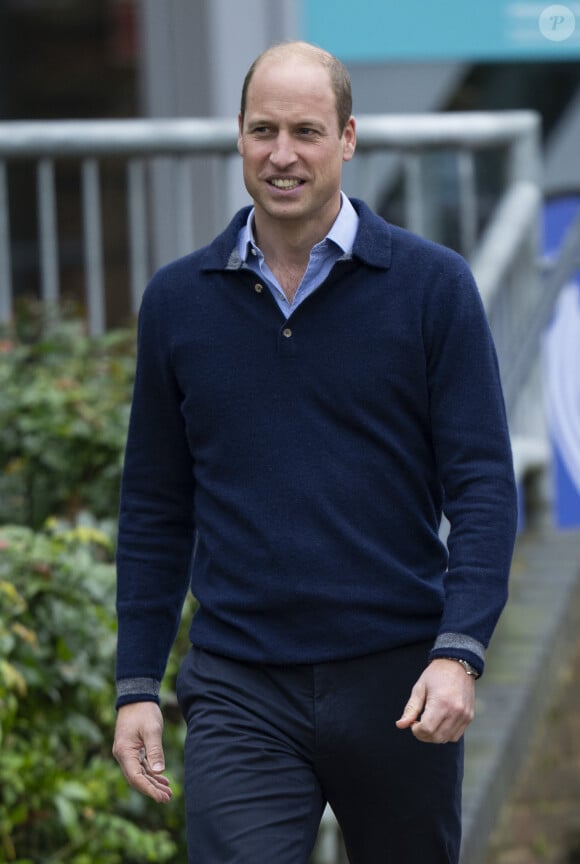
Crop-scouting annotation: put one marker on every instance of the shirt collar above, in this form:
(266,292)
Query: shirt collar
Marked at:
(342,232)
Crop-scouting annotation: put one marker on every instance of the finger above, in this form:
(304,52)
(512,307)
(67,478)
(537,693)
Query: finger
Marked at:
(441,728)
(139,774)
(413,709)
(141,777)
(149,772)
(152,787)
(429,736)
(153,750)
(438,737)
(408,718)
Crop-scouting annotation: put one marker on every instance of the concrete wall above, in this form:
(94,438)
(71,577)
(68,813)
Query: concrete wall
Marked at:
(194,56)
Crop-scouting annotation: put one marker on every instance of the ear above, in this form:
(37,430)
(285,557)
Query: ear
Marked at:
(240,135)
(349,140)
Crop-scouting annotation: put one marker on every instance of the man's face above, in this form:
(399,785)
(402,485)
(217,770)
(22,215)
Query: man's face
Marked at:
(290,143)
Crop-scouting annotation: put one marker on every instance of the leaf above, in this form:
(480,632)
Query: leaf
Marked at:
(25,633)
(12,678)
(68,815)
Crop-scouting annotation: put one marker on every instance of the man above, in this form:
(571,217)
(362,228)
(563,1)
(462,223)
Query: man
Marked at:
(313,389)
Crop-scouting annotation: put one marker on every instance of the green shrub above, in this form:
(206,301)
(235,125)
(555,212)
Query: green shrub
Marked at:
(63,800)
(64,405)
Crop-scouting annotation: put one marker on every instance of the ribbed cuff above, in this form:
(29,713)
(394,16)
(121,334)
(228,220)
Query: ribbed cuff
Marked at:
(137,690)
(460,647)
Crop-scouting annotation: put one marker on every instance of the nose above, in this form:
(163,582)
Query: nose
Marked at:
(283,153)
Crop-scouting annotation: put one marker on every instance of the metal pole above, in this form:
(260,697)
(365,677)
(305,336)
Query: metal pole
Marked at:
(414,204)
(5,260)
(93,246)
(138,258)
(184,200)
(48,236)
(467,201)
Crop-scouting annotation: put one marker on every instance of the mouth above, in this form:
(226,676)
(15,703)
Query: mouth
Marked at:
(285,183)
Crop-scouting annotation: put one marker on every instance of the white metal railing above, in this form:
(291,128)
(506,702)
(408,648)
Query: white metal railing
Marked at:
(137,142)
(89,142)
(504,256)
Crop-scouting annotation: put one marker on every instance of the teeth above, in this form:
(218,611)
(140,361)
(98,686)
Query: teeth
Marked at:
(285,184)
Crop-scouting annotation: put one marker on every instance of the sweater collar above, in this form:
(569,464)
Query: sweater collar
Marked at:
(341,234)
(372,243)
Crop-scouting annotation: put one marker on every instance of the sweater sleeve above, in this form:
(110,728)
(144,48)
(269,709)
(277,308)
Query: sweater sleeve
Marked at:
(156,523)
(473,453)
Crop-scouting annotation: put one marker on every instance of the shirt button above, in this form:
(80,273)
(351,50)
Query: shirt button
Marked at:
(287,332)
(258,288)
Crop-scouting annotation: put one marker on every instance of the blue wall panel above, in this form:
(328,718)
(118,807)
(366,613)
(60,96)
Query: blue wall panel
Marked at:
(382,30)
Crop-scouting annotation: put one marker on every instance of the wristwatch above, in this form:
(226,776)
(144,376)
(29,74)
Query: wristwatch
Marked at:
(471,671)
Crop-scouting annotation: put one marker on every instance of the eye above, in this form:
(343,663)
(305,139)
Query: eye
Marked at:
(261,131)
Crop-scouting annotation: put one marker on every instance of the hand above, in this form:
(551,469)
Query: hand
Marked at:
(441,705)
(139,751)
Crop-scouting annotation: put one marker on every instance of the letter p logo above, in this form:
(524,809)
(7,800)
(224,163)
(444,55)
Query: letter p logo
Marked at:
(557,23)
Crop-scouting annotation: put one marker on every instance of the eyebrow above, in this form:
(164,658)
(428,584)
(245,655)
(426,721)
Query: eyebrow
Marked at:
(265,121)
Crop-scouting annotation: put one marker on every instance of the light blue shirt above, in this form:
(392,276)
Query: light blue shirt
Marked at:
(337,244)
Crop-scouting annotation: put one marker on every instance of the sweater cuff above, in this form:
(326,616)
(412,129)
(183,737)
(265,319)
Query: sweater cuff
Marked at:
(137,690)
(460,647)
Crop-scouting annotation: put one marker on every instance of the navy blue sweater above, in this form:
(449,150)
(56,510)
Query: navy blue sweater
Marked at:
(308,461)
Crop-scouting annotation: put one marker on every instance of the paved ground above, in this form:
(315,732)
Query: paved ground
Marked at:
(540,824)
(522,783)
(521,801)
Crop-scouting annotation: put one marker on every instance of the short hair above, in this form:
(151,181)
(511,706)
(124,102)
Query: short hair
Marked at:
(339,76)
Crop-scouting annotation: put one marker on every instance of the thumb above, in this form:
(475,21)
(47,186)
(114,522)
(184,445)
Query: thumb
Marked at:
(154,751)
(155,757)
(413,708)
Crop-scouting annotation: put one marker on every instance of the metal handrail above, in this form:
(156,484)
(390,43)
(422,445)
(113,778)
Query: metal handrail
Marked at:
(203,136)
(140,140)
(504,259)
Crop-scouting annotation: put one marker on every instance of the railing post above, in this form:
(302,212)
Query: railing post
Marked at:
(93,246)
(48,237)
(467,202)
(137,209)
(5,257)
(184,199)
(414,209)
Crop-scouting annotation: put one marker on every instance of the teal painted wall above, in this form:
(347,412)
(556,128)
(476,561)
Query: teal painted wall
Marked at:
(383,30)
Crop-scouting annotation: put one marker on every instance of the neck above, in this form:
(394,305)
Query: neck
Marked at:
(286,247)
(290,241)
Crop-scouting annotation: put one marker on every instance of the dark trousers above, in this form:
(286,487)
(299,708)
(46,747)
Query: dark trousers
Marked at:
(268,746)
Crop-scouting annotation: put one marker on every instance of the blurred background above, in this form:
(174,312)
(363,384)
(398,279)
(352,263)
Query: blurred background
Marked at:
(117,154)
